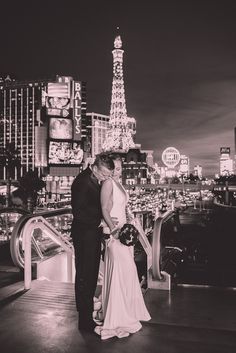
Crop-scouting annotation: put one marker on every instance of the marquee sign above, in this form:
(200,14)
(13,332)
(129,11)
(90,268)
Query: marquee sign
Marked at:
(225,150)
(77,111)
(171,157)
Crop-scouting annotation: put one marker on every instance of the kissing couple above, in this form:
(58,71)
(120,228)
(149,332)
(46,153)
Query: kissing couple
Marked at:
(97,194)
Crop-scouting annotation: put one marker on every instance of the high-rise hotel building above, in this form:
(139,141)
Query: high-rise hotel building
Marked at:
(46,122)
(19,104)
(226,163)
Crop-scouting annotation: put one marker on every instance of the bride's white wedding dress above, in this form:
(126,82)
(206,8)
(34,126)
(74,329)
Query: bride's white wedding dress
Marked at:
(123,305)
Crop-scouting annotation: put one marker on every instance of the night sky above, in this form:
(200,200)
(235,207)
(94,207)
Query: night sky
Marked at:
(179,64)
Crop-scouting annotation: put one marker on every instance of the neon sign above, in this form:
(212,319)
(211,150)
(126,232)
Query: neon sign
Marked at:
(77,111)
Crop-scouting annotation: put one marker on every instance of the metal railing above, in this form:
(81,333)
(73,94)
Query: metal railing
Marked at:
(8,217)
(16,242)
(26,236)
(23,240)
(157,278)
(39,222)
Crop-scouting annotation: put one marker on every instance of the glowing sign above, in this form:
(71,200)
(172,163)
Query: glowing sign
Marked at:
(57,99)
(225,150)
(58,89)
(170,157)
(77,111)
(184,164)
(60,128)
(65,153)
(184,160)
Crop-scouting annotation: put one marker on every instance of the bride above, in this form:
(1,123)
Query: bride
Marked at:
(122,301)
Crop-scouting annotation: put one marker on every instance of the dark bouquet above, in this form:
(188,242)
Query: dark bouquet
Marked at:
(128,234)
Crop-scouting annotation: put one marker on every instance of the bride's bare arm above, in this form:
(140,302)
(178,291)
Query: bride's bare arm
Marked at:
(106,203)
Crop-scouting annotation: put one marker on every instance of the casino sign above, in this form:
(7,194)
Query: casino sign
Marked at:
(170,157)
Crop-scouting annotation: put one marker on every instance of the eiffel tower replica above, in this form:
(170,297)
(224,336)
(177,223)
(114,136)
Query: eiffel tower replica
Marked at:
(119,136)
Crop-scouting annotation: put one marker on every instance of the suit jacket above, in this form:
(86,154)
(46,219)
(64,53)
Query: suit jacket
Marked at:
(85,199)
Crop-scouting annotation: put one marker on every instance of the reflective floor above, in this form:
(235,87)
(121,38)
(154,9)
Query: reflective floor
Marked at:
(187,319)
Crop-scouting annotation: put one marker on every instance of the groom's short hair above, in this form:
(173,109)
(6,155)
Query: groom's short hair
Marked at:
(105,160)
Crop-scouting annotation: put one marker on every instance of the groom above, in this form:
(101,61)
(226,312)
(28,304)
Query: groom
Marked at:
(86,234)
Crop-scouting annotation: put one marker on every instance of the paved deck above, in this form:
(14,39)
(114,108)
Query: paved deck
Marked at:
(186,320)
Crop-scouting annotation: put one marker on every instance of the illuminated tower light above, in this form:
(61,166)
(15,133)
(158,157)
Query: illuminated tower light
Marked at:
(119,136)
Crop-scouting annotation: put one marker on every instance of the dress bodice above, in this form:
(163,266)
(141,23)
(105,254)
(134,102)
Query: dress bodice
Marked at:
(119,201)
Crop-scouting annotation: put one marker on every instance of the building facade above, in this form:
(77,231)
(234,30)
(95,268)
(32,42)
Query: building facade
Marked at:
(198,171)
(135,168)
(46,121)
(20,104)
(226,163)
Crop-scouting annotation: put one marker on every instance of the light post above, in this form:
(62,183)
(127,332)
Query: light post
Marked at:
(227,192)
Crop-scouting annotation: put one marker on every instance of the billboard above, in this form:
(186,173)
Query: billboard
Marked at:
(64,153)
(59,89)
(57,106)
(184,164)
(60,128)
(77,110)
(57,99)
(171,157)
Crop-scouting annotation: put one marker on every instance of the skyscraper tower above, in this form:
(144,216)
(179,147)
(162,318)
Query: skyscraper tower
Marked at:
(119,136)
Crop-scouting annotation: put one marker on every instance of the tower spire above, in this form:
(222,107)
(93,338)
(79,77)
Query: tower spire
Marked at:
(119,136)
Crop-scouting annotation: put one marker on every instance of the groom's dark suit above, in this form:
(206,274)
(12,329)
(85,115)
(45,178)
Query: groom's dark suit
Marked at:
(86,235)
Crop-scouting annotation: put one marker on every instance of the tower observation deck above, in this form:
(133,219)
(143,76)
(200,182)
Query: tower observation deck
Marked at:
(119,136)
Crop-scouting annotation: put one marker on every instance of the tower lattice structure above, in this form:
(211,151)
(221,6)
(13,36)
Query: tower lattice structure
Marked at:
(119,136)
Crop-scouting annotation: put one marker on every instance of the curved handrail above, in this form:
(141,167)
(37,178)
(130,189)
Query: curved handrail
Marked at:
(39,222)
(16,235)
(54,212)
(156,244)
(14,210)
(215,202)
(144,241)
(6,220)
(25,226)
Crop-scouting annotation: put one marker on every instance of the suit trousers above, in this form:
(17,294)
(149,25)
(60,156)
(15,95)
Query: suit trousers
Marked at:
(87,245)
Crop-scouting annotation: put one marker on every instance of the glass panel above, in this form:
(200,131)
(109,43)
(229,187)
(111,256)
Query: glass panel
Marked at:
(42,244)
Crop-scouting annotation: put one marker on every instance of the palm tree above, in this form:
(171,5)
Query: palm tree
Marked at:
(30,184)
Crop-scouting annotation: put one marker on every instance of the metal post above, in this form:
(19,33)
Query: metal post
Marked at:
(27,264)
(69,260)
(227,192)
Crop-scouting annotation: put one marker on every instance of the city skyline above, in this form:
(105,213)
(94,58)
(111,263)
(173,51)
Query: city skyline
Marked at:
(179,65)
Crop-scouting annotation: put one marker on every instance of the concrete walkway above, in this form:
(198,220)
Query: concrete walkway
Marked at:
(186,320)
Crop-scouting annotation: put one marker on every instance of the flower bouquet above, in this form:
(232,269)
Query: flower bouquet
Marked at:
(128,234)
